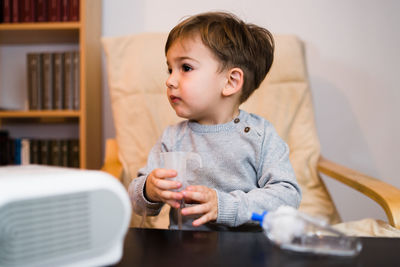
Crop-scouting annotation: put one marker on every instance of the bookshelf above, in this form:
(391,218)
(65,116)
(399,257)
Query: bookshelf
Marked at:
(16,39)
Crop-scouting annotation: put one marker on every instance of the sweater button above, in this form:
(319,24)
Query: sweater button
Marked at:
(236,120)
(247,129)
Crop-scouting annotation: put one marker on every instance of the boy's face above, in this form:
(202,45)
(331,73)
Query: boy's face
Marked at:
(195,83)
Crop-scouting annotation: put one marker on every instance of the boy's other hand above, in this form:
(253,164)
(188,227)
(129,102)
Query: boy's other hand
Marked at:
(158,187)
(207,203)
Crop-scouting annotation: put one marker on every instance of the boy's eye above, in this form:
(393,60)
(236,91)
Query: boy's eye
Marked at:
(186,68)
(169,71)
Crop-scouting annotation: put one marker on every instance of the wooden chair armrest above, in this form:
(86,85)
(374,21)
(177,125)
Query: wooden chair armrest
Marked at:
(112,165)
(386,195)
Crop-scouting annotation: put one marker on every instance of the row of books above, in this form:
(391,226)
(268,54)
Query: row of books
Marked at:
(16,11)
(53,81)
(56,152)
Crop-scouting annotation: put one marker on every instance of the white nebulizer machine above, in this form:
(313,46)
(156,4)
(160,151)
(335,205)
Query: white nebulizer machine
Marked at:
(53,216)
(292,230)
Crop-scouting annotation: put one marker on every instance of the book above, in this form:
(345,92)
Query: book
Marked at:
(65,10)
(44,152)
(55,148)
(41,11)
(48,81)
(15,10)
(4,139)
(17,151)
(34,65)
(74,10)
(34,151)
(11,151)
(76,81)
(1,10)
(68,80)
(7,11)
(25,151)
(54,10)
(74,153)
(64,153)
(58,80)
(27,10)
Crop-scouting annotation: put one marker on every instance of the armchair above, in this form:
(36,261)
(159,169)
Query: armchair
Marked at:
(136,75)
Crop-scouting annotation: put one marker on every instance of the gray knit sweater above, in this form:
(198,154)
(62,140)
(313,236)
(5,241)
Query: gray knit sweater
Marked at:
(244,160)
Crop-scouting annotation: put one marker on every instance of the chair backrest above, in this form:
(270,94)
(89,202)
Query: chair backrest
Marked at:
(136,76)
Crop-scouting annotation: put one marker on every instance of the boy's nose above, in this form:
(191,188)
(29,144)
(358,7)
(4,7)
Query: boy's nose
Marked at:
(171,82)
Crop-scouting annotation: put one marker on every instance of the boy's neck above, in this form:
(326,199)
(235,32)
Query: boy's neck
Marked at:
(220,118)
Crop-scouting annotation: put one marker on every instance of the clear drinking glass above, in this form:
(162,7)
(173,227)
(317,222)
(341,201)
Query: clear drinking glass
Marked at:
(178,161)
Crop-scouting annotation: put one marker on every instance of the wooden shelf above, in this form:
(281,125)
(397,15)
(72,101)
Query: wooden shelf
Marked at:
(40,114)
(40,26)
(37,33)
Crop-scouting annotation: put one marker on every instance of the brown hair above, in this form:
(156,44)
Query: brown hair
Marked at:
(233,42)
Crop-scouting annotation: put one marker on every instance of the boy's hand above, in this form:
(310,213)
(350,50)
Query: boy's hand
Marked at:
(207,203)
(158,188)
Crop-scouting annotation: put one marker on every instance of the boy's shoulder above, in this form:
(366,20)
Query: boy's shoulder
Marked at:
(177,127)
(257,122)
(175,130)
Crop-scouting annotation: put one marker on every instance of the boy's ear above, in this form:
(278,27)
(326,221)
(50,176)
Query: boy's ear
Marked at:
(234,82)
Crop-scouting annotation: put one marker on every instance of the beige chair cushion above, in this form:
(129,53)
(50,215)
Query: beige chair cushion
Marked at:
(136,76)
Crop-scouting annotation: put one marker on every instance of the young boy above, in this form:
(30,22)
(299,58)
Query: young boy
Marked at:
(215,62)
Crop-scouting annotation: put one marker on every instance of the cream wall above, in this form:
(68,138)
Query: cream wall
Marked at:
(352,50)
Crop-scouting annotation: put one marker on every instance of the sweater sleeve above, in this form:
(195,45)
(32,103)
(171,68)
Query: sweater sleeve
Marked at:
(141,205)
(276,185)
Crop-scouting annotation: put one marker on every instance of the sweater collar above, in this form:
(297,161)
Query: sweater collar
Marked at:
(215,128)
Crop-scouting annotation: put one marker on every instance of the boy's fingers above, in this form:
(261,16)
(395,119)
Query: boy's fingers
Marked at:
(196,209)
(195,196)
(197,188)
(173,204)
(164,173)
(202,220)
(169,195)
(166,184)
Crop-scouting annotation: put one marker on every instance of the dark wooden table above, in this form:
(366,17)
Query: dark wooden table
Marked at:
(151,247)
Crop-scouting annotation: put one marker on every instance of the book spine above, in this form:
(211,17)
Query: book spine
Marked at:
(65,10)
(40,80)
(58,80)
(31,81)
(25,153)
(34,80)
(7,11)
(1,10)
(64,153)
(76,80)
(68,80)
(74,153)
(15,10)
(74,10)
(17,151)
(27,11)
(54,8)
(11,151)
(44,152)
(41,11)
(55,148)
(4,154)
(48,82)
(34,151)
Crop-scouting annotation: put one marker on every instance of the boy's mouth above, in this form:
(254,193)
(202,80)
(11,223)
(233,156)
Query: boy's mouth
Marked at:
(175,99)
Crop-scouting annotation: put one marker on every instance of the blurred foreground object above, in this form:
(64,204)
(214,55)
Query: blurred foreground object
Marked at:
(52,216)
